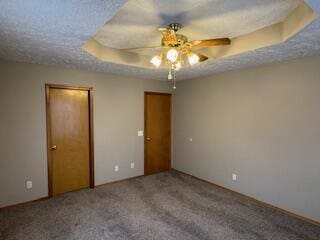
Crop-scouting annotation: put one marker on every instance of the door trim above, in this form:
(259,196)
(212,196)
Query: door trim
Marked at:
(145,126)
(48,126)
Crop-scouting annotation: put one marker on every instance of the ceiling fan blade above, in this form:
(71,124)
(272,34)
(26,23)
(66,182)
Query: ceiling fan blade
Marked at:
(168,35)
(163,29)
(202,57)
(210,42)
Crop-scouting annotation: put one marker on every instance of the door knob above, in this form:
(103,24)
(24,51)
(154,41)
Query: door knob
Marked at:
(54,147)
(148,139)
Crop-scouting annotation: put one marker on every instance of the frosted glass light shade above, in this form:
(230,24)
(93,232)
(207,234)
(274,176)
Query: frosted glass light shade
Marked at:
(193,58)
(156,60)
(172,55)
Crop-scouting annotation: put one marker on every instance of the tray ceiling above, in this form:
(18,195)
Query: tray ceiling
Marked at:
(138,20)
(53,32)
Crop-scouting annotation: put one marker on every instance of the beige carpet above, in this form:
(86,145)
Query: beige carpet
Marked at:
(164,206)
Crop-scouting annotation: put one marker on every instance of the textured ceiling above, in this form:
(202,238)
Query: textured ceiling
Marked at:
(203,19)
(53,32)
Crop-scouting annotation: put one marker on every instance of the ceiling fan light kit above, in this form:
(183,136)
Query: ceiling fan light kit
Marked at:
(176,47)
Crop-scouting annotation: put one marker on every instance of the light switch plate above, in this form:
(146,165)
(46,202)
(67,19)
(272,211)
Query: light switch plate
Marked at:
(132,165)
(140,133)
(116,168)
(234,177)
(29,184)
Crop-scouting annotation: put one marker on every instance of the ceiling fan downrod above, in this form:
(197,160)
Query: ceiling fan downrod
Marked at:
(175,26)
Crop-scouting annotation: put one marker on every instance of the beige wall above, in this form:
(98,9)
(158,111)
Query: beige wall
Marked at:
(261,123)
(118,115)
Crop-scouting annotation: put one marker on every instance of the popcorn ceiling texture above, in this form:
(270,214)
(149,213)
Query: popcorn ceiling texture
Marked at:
(52,32)
(200,19)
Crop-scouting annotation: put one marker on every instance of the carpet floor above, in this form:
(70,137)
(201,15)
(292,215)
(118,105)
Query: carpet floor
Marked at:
(166,206)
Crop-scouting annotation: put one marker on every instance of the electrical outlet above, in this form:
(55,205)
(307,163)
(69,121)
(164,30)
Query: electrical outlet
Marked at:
(132,165)
(116,168)
(29,184)
(234,177)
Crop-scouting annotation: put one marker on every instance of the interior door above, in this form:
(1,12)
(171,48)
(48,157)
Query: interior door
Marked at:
(68,139)
(157,132)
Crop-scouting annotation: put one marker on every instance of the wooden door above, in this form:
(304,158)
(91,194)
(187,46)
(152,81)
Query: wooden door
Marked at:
(69,139)
(157,132)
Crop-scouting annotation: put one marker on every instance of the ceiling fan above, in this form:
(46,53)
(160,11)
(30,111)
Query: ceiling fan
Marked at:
(175,48)
(177,45)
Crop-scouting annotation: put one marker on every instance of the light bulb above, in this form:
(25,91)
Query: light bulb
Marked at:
(172,55)
(156,60)
(193,58)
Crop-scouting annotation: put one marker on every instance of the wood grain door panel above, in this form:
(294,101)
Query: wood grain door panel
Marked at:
(157,132)
(69,113)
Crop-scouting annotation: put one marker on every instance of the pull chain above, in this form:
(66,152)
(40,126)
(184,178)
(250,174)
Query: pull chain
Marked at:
(174,80)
